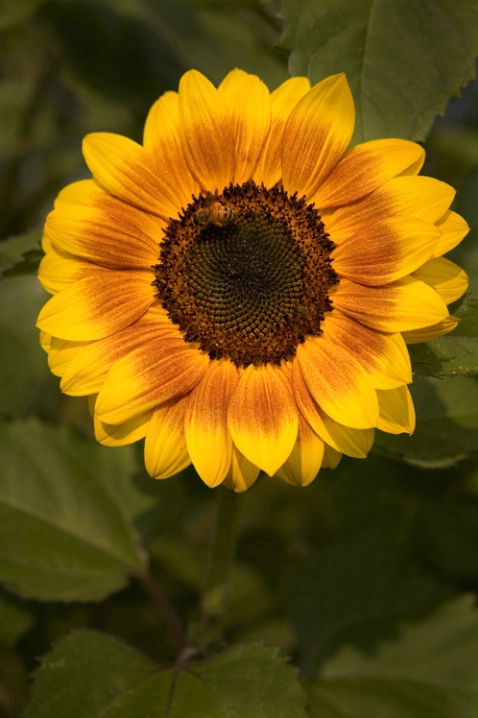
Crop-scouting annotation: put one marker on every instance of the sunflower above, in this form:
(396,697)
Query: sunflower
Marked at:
(240,289)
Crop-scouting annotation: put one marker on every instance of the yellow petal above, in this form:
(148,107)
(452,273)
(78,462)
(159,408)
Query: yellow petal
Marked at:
(98,305)
(206,132)
(88,368)
(338,383)
(242,473)
(423,197)
(317,133)
(263,418)
(420,197)
(364,168)
(434,331)
(208,439)
(45,341)
(91,403)
(83,192)
(453,228)
(397,413)
(124,168)
(149,376)
(59,270)
(283,100)
(305,460)
(124,434)
(162,141)
(46,244)
(343,439)
(165,452)
(62,353)
(114,235)
(402,306)
(331,459)
(384,356)
(385,251)
(249,104)
(449,280)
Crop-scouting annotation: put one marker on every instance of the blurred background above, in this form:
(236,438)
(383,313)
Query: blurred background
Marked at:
(343,562)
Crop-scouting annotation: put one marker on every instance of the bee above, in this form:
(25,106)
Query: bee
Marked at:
(213,213)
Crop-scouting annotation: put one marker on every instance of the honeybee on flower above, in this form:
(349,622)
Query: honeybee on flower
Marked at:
(213,212)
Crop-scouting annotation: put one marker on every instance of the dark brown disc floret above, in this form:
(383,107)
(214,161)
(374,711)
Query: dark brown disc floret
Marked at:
(246,273)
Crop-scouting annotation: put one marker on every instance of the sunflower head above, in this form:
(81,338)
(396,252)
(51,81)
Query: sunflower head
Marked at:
(240,289)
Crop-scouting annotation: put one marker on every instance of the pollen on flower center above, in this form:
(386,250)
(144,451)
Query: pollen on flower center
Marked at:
(246,274)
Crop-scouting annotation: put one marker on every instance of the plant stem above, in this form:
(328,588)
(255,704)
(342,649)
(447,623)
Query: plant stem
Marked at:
(167,610)
(208,630)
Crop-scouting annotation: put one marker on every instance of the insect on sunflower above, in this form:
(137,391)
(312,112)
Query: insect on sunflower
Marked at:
(240,289)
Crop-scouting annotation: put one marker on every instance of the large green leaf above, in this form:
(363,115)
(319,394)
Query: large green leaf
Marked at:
(403,59)
(90,675)
(84,674)
(65,534)
(429,671)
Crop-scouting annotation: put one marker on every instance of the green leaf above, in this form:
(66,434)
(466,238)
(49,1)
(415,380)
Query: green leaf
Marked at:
(64,535)
(216,689)
(447,423)
(83,675)
(446,357)
(355,590)
(455,354)
(430,671)
(468,316)
(14,249)
(403,59)
(90,675)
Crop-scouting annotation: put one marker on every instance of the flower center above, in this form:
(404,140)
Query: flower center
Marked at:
(246,274)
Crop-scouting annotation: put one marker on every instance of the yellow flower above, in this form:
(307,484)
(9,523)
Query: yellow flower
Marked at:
(240,289)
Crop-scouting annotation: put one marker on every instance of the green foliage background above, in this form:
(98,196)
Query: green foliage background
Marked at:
(353,597)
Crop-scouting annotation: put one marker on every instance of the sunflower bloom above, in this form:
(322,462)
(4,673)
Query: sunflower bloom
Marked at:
(240,289)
